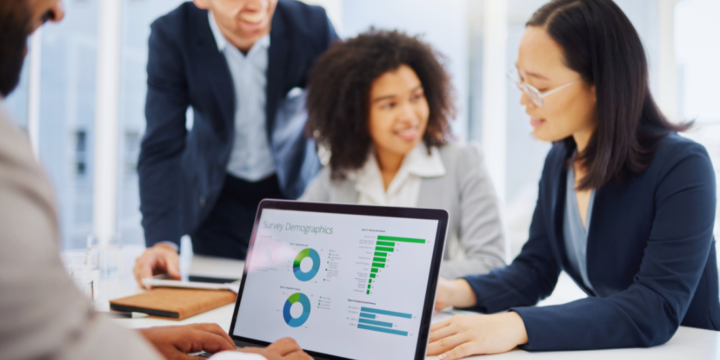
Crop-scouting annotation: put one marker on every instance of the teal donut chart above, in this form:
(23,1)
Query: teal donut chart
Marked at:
(304,301)
(314,256)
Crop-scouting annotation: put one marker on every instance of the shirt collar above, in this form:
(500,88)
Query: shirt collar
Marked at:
(417,162)
(222,42)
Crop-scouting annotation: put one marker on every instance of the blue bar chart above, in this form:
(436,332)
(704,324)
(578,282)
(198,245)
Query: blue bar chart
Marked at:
(365,322)
(376,323)
(380,329)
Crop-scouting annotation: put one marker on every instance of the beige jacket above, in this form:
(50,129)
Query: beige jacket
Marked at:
(42,314)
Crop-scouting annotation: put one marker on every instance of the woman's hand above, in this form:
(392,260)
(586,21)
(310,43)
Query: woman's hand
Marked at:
(457,293)
(465,335)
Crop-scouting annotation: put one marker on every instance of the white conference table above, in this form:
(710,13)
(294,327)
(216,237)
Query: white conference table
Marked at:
(688,343)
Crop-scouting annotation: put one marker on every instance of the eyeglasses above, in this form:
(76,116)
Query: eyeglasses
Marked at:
(534,94)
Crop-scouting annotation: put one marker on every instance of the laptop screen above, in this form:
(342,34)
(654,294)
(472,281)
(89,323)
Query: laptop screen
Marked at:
(352,286)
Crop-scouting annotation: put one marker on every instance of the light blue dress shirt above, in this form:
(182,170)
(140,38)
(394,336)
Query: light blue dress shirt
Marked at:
(574,233)
(251,158)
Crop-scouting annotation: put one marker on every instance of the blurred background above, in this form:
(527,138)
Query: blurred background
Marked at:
(82,93)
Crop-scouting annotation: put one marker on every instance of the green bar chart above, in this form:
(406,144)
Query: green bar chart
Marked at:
(384,247)
(401,239)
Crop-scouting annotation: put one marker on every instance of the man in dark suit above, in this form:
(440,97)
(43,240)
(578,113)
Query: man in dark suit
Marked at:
(240,65)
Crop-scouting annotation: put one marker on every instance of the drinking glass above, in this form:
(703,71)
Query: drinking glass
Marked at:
(105,257)
(76,265)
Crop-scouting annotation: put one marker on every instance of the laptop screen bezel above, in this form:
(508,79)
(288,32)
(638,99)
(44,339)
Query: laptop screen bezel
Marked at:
(411,213)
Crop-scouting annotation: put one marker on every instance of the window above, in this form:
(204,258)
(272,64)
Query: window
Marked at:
(136,19)
(81,153)
(67,116)
(697,51)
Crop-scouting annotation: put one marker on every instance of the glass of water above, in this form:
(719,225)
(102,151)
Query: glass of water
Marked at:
(106,258)
(85,284)
(76,265)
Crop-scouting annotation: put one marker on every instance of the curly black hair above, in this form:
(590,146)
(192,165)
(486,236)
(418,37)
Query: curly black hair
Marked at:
(339,88)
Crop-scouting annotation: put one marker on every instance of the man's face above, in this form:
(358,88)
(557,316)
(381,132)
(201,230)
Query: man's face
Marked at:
(19,19)
(241,21)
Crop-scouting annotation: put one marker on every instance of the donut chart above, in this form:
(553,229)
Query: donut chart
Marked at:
(314,256)
(304,301)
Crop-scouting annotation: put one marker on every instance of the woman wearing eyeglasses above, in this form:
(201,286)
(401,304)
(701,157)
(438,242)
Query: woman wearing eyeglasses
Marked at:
(625,206)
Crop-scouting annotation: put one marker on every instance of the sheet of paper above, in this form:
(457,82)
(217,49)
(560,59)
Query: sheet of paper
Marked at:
(215,267)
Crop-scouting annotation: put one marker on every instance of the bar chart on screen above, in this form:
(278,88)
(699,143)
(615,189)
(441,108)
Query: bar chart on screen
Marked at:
(383,254)
(365,281)
(387,322)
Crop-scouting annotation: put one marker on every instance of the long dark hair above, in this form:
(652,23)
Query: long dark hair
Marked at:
(600,43)
(339,89)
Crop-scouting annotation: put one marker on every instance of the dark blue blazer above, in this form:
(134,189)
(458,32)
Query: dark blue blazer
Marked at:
(182,173)
(650,257)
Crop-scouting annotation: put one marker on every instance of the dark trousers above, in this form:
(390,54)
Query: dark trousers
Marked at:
(226,231)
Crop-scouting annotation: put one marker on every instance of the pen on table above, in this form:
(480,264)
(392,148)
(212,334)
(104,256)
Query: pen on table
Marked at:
(129,315)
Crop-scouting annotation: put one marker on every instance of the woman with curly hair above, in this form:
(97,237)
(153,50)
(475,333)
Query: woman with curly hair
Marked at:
(380,103)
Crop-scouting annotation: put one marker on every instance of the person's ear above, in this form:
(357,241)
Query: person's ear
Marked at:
(202,4)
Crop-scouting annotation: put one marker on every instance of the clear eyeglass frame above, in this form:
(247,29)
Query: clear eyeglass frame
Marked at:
(533,93)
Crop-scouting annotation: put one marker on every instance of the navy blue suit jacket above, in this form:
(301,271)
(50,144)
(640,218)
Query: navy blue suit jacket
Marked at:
(650,257)
(182,174)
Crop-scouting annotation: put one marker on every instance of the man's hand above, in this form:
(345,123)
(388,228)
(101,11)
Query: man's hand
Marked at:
(283,349)
(176,342)
(159,259)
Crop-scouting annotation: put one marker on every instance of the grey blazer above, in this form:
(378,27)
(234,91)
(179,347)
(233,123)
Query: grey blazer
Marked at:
(42,314)
(475,244)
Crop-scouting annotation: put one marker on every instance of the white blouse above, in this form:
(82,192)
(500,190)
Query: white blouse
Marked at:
(404,189)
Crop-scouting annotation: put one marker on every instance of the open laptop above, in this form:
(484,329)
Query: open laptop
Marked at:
(344,281)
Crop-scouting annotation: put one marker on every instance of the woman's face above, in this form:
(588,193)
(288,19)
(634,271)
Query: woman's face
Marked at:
(398,112)
(571,110)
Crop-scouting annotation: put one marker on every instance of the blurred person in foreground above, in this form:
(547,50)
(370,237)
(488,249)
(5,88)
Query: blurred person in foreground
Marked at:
(241,66)
(381,104)
(42,314)
(626,206)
